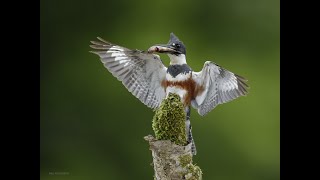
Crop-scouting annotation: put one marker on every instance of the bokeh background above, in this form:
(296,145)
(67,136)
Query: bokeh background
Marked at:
(92,128)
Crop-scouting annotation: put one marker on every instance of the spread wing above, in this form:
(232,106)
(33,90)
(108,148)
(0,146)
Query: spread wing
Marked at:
(220,86)
(141,73)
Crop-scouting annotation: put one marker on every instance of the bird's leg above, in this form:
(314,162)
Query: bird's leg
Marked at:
(188,131)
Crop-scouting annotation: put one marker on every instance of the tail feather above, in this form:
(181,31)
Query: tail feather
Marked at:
(189,132)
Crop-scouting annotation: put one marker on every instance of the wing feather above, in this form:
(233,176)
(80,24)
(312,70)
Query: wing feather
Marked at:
(139,72)
(221,86)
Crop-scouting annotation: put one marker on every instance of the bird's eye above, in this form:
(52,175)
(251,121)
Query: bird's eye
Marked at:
(178,45)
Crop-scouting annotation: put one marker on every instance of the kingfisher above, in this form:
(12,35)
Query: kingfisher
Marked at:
(147,78)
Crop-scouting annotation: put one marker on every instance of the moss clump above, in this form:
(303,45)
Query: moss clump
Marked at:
(193,172)
(169,121)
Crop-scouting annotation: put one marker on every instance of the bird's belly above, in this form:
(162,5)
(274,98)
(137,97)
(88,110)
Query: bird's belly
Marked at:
(176,90)
(183,89)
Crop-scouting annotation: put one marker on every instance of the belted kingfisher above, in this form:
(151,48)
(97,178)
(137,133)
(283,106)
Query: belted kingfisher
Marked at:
(147,78)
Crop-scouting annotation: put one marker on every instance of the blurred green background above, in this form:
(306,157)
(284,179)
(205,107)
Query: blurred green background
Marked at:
(93,128)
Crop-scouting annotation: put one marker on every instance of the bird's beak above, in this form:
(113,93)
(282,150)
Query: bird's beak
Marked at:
(162,48)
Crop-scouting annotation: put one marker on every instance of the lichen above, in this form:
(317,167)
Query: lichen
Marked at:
(185,160)
(169,120)
(193,172)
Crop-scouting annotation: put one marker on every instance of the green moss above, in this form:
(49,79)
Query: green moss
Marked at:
(169,120)
(169,124)
(193,172)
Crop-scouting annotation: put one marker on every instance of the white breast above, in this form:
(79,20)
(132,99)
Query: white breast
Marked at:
(176,90)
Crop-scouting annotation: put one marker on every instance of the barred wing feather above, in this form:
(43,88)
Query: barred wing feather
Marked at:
(220,86)
(141,73)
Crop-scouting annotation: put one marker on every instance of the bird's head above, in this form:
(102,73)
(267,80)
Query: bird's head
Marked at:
(175,49)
